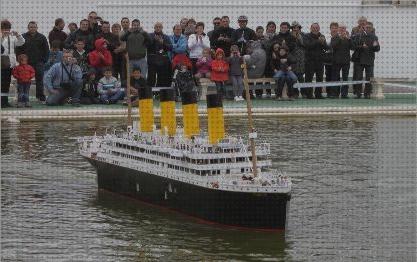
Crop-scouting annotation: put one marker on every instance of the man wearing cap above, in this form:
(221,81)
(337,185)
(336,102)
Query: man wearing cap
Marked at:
(222,37)
(243,34)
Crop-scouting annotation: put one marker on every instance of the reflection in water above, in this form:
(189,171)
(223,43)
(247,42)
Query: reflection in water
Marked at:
(354,184)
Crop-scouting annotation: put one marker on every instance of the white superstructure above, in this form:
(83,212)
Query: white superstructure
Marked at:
(225,166)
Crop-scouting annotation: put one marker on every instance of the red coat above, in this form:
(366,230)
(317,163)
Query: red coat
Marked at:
(23,73)
(219,68)
(94,57)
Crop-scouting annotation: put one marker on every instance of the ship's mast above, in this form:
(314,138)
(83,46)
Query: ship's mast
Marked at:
(252,133)
(129,102)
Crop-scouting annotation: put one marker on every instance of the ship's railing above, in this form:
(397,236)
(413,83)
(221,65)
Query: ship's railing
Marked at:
(210,182)
(184,144)
(197,166)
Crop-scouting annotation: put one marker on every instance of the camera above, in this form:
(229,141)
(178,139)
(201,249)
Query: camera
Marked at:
(65,85)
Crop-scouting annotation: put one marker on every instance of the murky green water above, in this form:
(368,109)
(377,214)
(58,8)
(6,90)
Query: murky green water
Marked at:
(353,199)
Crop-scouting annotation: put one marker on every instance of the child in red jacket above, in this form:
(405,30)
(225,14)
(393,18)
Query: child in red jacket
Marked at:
(219,71)
(23,74)
(100,58)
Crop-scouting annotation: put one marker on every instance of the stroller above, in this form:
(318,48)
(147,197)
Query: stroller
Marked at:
(183,79)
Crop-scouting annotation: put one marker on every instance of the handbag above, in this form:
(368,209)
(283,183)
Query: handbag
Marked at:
(5,59)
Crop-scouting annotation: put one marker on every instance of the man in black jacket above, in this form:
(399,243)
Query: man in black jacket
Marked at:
(159,64)
(37,49)
(243,34)
(83,33)
(222,37)
(137,43)
(57,33)
(284,36)
(341,45)
(365,44)
(316,46)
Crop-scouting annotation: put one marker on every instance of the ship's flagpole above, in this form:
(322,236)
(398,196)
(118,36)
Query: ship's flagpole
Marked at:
(129,102)
(252,133)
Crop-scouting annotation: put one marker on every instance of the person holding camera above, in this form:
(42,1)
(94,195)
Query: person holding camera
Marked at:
(243,34)
(9,40)
(63,81)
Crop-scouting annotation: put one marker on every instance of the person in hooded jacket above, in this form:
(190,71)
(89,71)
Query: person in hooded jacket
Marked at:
(219,71)
(100,58)
(256,62)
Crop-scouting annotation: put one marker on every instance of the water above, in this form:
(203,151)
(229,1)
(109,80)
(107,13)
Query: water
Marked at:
(353,199)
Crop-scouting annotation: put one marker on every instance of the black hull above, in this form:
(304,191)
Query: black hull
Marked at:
(238,209)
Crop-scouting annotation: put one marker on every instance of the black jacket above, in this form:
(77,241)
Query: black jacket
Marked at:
(57,34)
(364,55)
(341,50)
(158,50)
(276,63)
(315,49)
(138,83)
(36,48)
(224,45)
(288,37)
(247,33)
(87,36)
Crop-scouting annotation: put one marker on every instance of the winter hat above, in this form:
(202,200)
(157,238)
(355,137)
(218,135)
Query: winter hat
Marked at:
(296,24)
(242,18)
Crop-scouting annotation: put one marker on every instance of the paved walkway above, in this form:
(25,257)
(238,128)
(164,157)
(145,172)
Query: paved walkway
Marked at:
(393,104)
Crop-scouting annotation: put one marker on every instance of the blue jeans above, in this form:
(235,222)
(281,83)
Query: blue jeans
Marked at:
(237,82)
(113,98)
(282,77)
(23,92)
(142,64)
(63,93)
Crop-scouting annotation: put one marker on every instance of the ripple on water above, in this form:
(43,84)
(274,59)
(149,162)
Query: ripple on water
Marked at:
(353,198)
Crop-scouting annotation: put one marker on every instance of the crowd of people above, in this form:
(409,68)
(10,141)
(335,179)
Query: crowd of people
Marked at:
(89,65)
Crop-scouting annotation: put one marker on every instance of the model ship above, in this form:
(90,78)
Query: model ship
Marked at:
(216,178)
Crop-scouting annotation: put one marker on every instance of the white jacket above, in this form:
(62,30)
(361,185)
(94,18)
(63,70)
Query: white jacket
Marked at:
(196,48)
(14,41)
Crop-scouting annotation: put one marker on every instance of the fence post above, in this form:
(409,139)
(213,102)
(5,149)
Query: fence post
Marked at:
(378,87)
